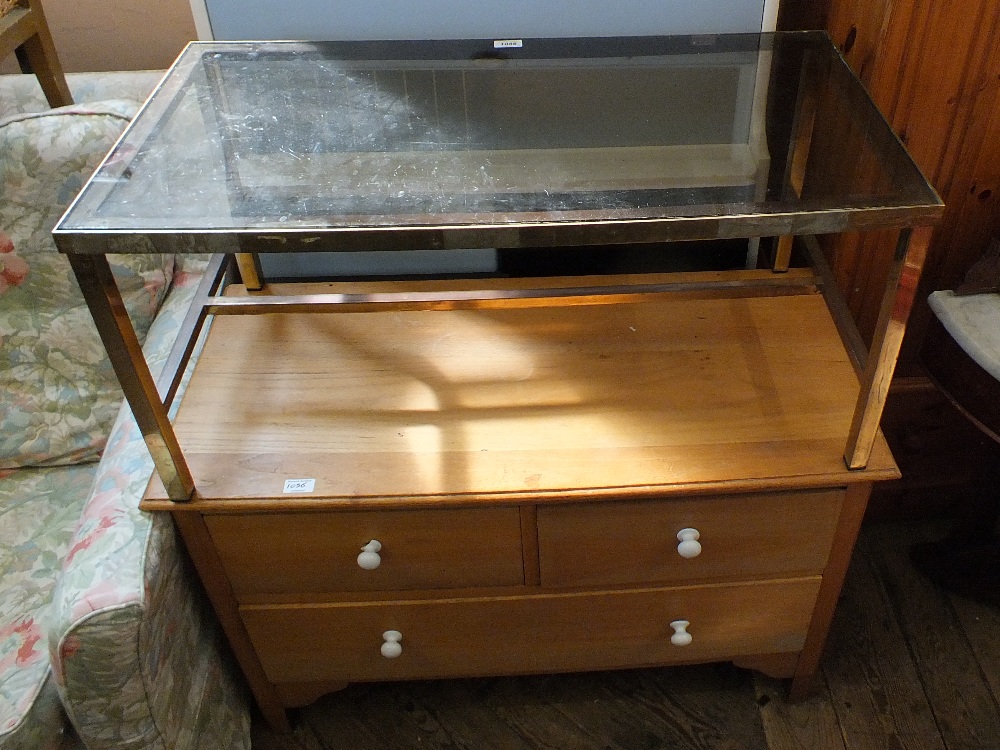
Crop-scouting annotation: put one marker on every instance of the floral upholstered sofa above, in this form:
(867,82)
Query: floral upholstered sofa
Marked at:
(103,628)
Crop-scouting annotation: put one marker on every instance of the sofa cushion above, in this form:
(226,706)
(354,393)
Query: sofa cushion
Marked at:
(62,394)
(39,509)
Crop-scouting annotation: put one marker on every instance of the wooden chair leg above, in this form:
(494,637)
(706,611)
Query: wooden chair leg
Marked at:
(25,32)
(40,52)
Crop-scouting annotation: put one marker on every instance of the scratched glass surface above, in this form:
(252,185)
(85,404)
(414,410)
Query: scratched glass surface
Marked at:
(295,135)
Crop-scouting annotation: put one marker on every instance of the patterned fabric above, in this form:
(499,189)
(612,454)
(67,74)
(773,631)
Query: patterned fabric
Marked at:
(134,651)
(21,93)
(43,726)
(62,394)
(131,648)
(13,269)
(39,509)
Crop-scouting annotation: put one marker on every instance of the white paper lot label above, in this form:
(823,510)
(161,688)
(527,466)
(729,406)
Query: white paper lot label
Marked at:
(299,485)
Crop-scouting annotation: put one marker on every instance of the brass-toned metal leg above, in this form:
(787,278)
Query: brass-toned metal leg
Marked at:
(783,256)
(803,125)
(249,265)
(798,157)
(169,380)
(901,289)
(105,302)
(855,345)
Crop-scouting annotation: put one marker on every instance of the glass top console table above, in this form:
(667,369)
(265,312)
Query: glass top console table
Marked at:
(295,147)
(284,147)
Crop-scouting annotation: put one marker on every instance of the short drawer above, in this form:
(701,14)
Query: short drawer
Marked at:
(314,553)
(529,634)
(742,536)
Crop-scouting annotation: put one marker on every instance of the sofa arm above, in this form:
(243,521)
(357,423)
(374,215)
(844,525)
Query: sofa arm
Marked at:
(137,655)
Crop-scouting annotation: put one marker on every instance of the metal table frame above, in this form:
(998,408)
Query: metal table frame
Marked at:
(150,402)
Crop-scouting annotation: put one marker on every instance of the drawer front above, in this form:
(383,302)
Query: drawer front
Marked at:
(520,635)
(315,553)
(742,536)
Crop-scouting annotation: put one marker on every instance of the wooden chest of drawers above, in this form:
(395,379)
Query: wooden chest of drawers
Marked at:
(528,588)
(522,491)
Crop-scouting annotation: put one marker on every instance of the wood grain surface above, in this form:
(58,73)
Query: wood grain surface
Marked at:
(492,635)
(654,397)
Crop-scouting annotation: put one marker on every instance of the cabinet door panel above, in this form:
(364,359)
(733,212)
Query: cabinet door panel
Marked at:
(544,633)
(743,536)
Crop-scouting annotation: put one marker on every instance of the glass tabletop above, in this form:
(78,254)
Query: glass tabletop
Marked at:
(633,139)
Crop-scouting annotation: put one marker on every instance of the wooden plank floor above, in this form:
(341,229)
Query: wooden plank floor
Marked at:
(907,667)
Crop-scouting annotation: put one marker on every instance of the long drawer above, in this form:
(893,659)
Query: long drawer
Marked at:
(315,553)
(737,537)
(528,634)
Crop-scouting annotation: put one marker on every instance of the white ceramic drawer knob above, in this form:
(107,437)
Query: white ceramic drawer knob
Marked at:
(391,647)
(681,636)
(369,559)
(689,545)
